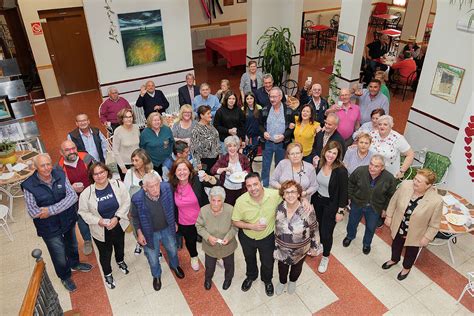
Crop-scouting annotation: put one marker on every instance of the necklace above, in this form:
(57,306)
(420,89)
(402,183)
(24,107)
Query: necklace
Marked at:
(300,173)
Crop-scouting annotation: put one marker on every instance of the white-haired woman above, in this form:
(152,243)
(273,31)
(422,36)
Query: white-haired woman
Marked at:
(183,128)
(228,164)
(391,144)
(214,224)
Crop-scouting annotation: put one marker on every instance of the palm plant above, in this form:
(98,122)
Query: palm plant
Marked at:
(276,52)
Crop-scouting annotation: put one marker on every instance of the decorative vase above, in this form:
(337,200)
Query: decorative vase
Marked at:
(8,156)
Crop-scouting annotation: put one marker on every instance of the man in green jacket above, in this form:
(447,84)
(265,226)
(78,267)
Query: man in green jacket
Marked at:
(370,190)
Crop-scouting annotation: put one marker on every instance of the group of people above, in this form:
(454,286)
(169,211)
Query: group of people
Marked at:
(178,183)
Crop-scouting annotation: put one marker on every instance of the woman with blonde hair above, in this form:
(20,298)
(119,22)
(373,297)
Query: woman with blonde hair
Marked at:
(183,127)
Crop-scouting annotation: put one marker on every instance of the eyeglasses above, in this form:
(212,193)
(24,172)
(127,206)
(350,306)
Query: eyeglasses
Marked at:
(294,192)
(294,154)
(128,117)
(99,173)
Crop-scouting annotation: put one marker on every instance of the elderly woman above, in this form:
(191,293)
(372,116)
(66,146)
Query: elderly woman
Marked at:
(295,235)
(229,119)
(368,127)
(251,80)
(305,131)
(104,205)
(157,140)
(126,140)
(331,199)
(358,155)
(189,197)
(391,145)
(225,88)
(183,128)
(205,140)
(414,216)
(228,164)
(252,115)
(295,168)
(214,224)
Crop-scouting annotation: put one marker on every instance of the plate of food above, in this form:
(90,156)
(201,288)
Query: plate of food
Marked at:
(238,177)
(456,219)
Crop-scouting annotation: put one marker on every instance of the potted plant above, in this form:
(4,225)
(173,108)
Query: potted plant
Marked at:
(276,52)
(7,152)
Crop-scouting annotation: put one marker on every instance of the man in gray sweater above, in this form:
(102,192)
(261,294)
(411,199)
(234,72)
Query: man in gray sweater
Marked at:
(370,189)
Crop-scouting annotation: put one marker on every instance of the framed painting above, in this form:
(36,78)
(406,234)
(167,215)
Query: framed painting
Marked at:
(446,82)
(345,42)
(6,112)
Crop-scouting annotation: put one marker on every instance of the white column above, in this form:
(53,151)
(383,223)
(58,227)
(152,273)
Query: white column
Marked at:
(416,17)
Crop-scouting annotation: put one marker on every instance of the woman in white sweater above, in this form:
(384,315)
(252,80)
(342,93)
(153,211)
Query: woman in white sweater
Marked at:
(126,140)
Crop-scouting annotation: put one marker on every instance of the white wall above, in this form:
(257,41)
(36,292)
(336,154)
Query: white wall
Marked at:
(109,56)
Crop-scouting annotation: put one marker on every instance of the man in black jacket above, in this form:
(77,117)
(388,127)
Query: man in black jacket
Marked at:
(151,99)
(325,135)
(89,139)
(311,94)
(187,92)
(262,96)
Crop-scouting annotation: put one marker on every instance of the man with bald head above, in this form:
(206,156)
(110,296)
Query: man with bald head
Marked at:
(89,139)
(311,94)
(110,108)
(50,201)
(151,99)
(325,135)
(349,115)
(76,164)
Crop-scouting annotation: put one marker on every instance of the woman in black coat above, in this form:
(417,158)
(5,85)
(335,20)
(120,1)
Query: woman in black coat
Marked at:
(331,199)
(229,119)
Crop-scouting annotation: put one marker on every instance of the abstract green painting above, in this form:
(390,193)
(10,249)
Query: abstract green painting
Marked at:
(142,37)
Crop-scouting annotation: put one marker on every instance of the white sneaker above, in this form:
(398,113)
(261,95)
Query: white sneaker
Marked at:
(279,288)
(323,265)
(291,287)
(195,263)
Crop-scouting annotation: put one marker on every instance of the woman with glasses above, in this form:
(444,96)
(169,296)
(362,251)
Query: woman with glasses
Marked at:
(295,168)
(104,205)
(183,127)
(126,140)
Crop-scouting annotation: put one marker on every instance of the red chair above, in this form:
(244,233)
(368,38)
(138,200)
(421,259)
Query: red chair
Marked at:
(380,8)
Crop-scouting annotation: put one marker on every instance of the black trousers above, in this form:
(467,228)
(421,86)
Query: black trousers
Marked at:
(189,233)
(411,252)
(114,242)
(295,271)
(210,263)
(326,216)
(265,249)
(158,169)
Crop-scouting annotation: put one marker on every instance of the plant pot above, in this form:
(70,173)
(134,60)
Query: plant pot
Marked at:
(8,156)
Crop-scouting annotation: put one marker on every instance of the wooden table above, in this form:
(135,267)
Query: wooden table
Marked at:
(11,184)
(318,29)
(385,18)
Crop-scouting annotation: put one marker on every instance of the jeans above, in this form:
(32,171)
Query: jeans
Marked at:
(153,255)
(84,229)
(63,252)
(270,149)
(114,242)
(265,248)
(371,219)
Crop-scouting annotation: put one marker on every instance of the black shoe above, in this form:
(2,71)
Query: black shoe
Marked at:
(401,277)
(83,267)
(388,265)
(269,289)
(123,267)
(178,272)
(346,242)
(69,285)
(247,284)
(207,285)
(226,284)
(366,250)
(157,284)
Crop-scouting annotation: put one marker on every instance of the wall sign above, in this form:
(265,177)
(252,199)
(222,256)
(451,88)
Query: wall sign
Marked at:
(36,28)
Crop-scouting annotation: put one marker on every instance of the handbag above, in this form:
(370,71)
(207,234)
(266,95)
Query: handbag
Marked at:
(110,161)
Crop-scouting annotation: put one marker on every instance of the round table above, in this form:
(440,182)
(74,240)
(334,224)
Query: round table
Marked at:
(11,184)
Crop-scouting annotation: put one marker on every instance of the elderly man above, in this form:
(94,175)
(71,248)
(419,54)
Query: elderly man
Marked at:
(51,202)
(88,139)
(311,94)
(109,109)
(370,189)
(206,98)
(405,67)
(349,116)
(370,99)
(153,218)
(375,50)
(151,99)
(325,135)
(187,92)
(275,123)
(75,165)
(262,96)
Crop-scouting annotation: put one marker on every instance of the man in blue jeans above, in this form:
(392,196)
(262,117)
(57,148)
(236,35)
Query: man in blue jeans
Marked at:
(154,220)
(51,202)
(275,123)
(370,190)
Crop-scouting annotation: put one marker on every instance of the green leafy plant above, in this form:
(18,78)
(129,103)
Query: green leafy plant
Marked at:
(276,52)
(7,146)
(333,88)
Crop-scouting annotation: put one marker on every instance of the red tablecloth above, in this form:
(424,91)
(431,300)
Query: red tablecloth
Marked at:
(385,16)
(233,48)
(391,32)
(319,27)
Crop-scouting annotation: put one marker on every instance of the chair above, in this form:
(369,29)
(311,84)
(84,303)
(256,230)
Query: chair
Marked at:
(380,8)
(309,34)
(438,163)
(33,144)
(469,286)
(9,203)
(6,211)
(404,83)
(290,87)
(393,24)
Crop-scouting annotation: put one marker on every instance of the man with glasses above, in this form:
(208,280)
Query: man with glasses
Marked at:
(51,202)
(313,97)
(109,109)
(88,139)
(262,96)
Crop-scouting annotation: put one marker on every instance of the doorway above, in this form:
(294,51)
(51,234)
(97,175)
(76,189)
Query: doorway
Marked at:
(67,38)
